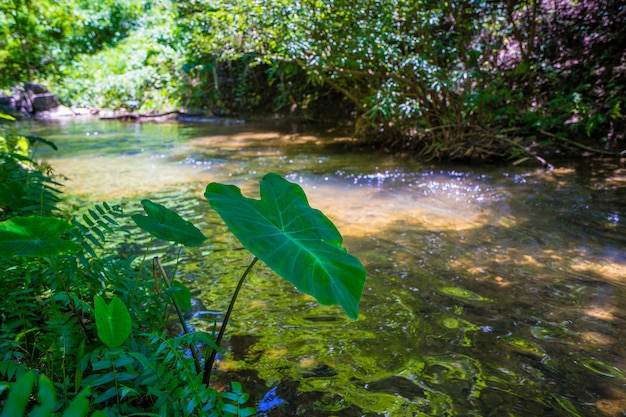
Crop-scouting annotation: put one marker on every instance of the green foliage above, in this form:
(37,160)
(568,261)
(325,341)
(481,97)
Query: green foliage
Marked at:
(298,242)
(97,222)
(181,294)
(23,388)
(455,79)
(40,39)
(142,70)
(24,188)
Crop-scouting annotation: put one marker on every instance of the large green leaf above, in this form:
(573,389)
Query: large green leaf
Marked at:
(35,236)
(164,224)
(298,242)
(112,321)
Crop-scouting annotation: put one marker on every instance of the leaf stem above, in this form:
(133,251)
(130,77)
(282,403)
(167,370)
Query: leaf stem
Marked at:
(208,365)
(194,353)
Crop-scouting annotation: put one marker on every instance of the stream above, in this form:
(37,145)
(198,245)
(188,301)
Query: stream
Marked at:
(492,290)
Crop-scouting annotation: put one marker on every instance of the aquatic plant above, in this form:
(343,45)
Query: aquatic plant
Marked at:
(296,241)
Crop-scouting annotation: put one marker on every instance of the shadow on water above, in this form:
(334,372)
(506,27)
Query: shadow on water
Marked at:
(492,291)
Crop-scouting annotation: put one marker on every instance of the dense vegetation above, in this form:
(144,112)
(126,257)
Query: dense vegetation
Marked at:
(455,79)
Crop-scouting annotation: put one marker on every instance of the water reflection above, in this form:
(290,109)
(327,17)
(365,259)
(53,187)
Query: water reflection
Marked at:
(490,291)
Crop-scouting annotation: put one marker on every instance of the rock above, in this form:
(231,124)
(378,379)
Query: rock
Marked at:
(44,101)
(36,88)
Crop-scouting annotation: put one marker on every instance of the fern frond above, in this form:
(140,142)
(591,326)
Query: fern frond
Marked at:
(94,225)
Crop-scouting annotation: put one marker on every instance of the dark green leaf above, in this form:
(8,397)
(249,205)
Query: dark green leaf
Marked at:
(164,224)
(298,242)
(35,236)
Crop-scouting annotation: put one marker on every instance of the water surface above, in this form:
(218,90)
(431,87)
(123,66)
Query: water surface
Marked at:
(491,290)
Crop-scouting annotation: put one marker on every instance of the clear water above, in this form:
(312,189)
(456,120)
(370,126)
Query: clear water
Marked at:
(491,290)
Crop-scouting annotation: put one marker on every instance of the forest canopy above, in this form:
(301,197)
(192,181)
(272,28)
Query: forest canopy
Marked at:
(447,80)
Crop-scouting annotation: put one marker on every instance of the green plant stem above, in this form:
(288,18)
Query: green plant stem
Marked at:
(194,352)
(117,387)
(208,365)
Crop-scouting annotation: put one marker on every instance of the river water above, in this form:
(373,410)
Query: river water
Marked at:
(491,290)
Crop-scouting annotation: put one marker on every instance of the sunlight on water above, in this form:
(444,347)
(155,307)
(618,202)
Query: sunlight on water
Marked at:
(123,176)
(443,200)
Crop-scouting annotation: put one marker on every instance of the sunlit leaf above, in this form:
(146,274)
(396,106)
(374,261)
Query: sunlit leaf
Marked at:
(35,236)
(113,322)
(165,224)
(298,242)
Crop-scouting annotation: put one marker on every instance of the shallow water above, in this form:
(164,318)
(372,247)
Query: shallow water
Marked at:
(491,290)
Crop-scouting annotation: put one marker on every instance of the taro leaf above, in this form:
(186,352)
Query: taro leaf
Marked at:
(35,236)
(298,242)
(112,321)
(164,224)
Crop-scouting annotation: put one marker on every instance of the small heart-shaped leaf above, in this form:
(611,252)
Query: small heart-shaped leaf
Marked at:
(165,224)
(113,322)
(298,242)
